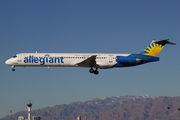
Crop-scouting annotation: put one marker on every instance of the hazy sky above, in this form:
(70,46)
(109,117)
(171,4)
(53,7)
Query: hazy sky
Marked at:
(103,26)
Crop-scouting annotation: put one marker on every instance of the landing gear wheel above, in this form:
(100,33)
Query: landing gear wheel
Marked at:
(13,68)
(91,70)
(96,72)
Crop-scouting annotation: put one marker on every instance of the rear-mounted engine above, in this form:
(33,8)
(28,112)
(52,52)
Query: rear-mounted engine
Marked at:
(128,60)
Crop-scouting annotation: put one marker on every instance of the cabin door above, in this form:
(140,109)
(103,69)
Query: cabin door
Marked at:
(110,58)
(19,57)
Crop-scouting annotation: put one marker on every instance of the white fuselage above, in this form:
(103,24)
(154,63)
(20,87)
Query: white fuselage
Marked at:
(61,59)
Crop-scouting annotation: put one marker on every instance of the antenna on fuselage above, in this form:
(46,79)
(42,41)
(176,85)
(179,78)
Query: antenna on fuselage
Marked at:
(36,52)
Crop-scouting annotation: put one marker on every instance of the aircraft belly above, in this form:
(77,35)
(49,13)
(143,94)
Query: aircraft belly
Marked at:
(105,64)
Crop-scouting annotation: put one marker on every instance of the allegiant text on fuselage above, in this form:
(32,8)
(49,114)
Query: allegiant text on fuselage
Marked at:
(43,60)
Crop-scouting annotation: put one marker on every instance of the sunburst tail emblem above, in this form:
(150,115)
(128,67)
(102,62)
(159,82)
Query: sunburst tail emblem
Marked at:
(153,49)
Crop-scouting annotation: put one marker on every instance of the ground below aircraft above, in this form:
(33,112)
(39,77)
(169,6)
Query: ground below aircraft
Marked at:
(93,61)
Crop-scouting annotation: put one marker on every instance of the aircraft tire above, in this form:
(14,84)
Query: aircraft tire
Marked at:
(96,72)
(13,69)
(91,70)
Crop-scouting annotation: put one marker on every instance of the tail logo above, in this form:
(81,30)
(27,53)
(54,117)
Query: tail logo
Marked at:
(153,49)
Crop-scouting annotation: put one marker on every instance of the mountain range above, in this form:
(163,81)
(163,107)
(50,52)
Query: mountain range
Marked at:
(142,107)
(88,108)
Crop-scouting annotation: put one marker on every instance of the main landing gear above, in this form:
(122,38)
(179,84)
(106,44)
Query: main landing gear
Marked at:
(94,71)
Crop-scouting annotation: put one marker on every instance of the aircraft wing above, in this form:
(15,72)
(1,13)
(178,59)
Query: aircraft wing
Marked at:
(89,62)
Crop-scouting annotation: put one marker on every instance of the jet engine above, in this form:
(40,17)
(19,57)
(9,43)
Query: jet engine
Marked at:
(128,60)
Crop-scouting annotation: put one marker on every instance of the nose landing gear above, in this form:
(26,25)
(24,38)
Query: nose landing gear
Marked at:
(13,68)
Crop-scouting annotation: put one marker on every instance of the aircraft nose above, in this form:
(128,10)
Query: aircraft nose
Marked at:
(8,62)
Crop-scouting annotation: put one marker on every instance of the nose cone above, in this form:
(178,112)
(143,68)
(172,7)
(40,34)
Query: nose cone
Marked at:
(8,62)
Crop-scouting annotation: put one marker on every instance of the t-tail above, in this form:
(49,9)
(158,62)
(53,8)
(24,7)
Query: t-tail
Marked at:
(155,47)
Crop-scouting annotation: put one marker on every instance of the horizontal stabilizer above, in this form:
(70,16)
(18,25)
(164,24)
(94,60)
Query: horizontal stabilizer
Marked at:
(163,42)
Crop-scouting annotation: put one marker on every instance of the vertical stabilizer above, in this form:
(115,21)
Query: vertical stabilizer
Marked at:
(155,47)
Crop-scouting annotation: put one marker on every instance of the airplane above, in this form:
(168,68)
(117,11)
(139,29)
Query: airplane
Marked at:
(93,61)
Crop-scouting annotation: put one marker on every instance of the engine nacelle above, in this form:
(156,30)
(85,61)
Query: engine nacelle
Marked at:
(128,60)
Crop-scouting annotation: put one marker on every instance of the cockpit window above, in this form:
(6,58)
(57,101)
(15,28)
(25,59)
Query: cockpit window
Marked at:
(14,56)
